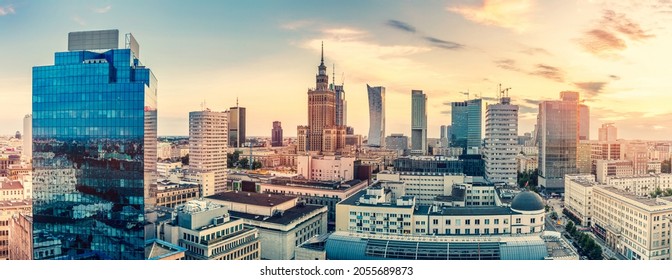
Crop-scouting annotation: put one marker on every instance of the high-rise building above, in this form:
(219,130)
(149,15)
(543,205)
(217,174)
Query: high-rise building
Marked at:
(236,121)
(418,122)
(376,116)
(208,146)
(584,122)
(27,149)
(341,103)
(608,132)
(322,134)
(397,142)
(466,124)
(94,148)
(276,134)
(501,139)
(558,136)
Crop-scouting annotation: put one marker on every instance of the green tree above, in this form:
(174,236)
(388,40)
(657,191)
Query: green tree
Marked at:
(595,253)
(232,159)
(244,163)
(185,159)
(256,165)
(668,192)
(569,227)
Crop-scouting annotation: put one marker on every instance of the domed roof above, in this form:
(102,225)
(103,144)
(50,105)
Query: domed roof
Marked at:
(527,201)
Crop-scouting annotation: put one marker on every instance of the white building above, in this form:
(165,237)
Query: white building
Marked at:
(27,148)
(501,142)
(425,187)
(641,185)
(326,168)
(612,168)
(579,195)
(163,150)
(208,132)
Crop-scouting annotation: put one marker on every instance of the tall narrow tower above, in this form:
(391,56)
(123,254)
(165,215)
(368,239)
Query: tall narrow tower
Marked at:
(418,122)
(501,140)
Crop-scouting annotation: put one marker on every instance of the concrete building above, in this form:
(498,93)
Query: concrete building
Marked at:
(276,135)
(208,232)
(283,222)
(418,122)
(466,123)
(11,190)
(173,194)
(608,132)
(376,116)
(579,196)
(27,147)
(470,165)
(641,185)
(375,210)
(637,152)
(526,163)
(397,142)
(208,132)
(236,126)
(164,168)
(501,139)
(159,250)
(21,237)
(9,209)
(631,225)
(326,168)
(612,168)
(164,150)
(322,134)
(424,187)
(558,138)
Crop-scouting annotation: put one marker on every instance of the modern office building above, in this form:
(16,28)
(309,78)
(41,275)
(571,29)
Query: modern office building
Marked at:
(341,103)
(501,139)
(276,134)
(584,122)
(208,146)
(446,131)
(466,123)
(398,142)
(418,122)
(94,148)
(608,132)
(558,137)
(376,116)
(27,148)
(236,126)
(322,134)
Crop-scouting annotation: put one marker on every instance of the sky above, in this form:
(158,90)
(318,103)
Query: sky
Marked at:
(266,53)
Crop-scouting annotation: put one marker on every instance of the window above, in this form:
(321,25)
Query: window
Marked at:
(435,221)
(447,221)
(533,220)
(496,221)
(467,222)
(457,231)
(519,230)
(467,231)
(477,221)
(487,221)
(517,220)
(486,231)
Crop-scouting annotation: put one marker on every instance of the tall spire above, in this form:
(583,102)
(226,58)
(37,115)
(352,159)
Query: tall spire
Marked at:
(322,57)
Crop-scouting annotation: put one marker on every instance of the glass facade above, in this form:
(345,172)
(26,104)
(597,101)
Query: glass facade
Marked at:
(376,115)
(94,153)
(466,124)
(418,122)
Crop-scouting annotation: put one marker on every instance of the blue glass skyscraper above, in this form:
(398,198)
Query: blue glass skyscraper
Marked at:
(466,124)
(94,149)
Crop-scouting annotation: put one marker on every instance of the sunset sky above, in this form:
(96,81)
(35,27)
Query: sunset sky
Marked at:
(265,53)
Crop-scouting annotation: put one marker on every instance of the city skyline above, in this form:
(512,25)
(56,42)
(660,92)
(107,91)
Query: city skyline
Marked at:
(604,50)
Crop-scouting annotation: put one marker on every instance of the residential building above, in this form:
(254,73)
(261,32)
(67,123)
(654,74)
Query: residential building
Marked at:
(21,237)
(501,139)
(8,209)
(208,145)
(641,185)
(376,116)
(418,122)
(94,126)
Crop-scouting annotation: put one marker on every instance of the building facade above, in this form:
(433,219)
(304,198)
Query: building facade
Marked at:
(208,146)
(8,210)
(608,132)
(27,148)
(466,124)
(236,126)
(94,147)
(558,138)
(21,237)
(326,168)
(376,116)
(418,122)
(501,139)
(276,134)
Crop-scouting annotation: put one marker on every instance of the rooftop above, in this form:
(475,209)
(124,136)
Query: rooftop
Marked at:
(640,199)
(354,200)
(11,185)
(466,211)
(156,249)
(287,217)
(15,203)
(252,198)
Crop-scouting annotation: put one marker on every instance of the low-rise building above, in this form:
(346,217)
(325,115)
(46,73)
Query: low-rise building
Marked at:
(173,194)
(21,237)
(283,222)
(326,168)
(7,210)
(641,185)
(160,250)
(612,168)
(578,197)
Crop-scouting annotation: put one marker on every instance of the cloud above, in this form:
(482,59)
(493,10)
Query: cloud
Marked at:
(7,10)
(79,20)
(614,77)
(295,25)
(548,72)
(507,64)
(510,14)
(591,89)
(534,102)
(607,38)
(102,10)
(535,51)
(400,25)
(444,44)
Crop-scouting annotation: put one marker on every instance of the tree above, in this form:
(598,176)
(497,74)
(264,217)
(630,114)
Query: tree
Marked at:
(668,192)
(243,163)
(185,159)
(569,227)
(232,159)
(256,165)
(595,253)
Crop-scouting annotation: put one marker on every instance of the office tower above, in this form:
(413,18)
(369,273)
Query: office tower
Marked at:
(322,134)
(584,122)
(501,139)
(418,122)
(607,132)
(466,124)
(208,146)
(446,130)
(27,149)
(94,148)
(558,136)
(236,121)
(397,142)
(276,134)
(376,116)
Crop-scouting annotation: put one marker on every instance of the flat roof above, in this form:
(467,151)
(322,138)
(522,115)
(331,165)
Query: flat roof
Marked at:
(288,216)
(641,199)
(354,200)
(467,211)
(12,185)
(14,203)
(156,249)
(259,199)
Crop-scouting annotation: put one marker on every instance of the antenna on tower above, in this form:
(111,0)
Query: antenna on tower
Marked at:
(343,78)
(236,101)
(333,74)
